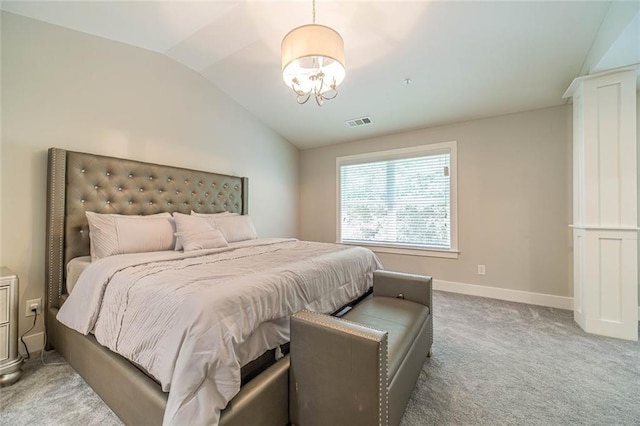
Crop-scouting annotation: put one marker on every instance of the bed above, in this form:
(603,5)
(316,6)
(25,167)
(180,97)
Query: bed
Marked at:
(80,182)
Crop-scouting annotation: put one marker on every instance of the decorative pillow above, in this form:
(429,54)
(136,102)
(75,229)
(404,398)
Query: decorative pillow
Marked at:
(208,215)
(202,240)
(236,227)
(197,233)
(190,224)
(112,234)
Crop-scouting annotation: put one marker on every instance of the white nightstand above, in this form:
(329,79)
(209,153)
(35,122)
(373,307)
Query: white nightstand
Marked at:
(10,360)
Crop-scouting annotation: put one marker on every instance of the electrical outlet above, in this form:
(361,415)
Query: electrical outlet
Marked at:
(30,304)
(482,270)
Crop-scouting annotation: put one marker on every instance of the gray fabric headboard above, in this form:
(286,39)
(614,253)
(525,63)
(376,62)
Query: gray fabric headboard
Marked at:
(79,182)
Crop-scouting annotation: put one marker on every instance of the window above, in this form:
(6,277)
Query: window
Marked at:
(400,201)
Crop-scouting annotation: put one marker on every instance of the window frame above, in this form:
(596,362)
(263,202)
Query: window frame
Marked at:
(393,154)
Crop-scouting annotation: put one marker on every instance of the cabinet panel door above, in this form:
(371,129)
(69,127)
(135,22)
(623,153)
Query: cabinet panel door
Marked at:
(4,305)
(4,342)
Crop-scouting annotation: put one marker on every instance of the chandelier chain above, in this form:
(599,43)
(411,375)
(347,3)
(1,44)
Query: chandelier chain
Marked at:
(314,11)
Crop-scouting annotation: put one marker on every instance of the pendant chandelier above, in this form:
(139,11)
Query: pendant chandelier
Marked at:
(313,61)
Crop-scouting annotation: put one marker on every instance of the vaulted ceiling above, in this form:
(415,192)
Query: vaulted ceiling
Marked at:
(465,59)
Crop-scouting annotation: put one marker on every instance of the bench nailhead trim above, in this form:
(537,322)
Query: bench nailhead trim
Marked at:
(383,359)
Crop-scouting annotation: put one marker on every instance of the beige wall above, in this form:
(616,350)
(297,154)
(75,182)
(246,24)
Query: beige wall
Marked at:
(62,88)
(514,199)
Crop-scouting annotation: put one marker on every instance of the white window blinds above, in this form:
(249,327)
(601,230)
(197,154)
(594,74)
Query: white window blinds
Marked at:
(397,202)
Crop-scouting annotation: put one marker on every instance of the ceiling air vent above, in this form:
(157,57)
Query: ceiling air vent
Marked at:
(357,122)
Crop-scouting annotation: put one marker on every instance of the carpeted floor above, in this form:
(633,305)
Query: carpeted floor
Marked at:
(504,363)
(52,395)
(494,363)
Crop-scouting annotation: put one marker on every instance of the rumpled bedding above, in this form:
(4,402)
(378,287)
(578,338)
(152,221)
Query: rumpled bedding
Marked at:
(191,320)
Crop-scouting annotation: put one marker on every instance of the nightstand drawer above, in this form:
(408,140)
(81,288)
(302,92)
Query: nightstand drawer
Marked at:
(4,342)
(4,305)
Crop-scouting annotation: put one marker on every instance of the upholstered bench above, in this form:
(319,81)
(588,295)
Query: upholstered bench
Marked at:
(361,369)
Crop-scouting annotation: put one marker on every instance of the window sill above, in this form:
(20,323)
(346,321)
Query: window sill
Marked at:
(447,254)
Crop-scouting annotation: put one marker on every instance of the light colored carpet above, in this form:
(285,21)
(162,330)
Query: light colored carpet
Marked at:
(52,395)
(504,363)
(494,363)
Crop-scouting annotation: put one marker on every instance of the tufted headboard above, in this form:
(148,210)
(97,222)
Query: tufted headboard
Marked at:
(79,182)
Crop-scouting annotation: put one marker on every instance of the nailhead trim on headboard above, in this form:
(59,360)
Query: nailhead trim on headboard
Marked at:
(55,225)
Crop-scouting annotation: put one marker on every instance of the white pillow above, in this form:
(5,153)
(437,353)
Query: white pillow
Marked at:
(112,234)
(197,233)
(190,224)
(213,214)
(236,227)
(202,240)
(207,215)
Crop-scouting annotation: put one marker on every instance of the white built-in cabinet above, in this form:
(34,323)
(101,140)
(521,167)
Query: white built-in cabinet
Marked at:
(605,217)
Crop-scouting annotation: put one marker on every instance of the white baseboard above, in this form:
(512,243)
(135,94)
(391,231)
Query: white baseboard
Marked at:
(35,343)
(540,299)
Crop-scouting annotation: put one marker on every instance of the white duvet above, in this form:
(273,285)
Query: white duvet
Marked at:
(193,319)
